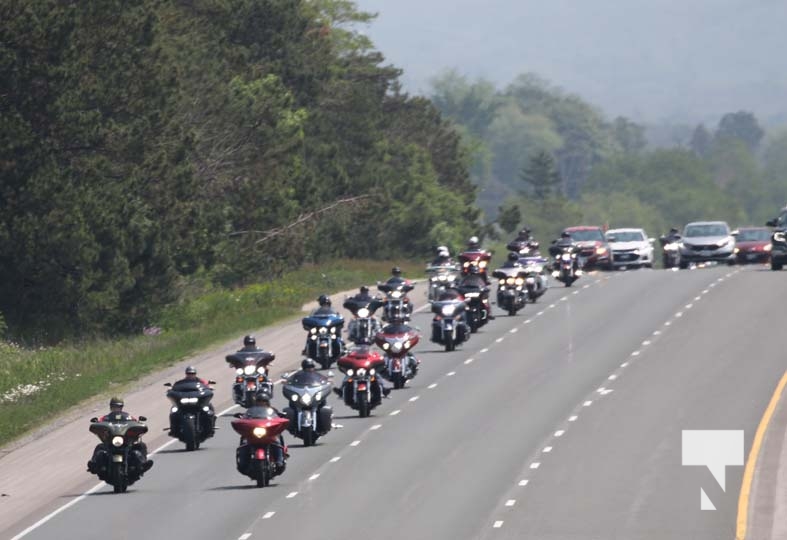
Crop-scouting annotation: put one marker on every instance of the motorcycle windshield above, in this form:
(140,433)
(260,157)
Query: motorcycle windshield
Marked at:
(122,428)
(316,321)
(307,379)
(257,359)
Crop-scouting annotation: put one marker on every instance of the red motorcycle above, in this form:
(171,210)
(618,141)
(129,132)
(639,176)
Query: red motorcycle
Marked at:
(361,390)
(254,453)
(397,340)
(478,258)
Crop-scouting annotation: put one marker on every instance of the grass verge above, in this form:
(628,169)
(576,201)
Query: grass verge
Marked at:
(38,383)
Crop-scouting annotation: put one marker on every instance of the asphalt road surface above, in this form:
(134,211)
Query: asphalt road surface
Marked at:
(563,422)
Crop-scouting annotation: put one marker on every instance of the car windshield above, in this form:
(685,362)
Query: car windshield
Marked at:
(585,235)
(626,236)
(754,235)
(710,229)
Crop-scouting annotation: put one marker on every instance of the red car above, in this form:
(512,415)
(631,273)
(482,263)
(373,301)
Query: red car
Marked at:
(593,247)
(752,245)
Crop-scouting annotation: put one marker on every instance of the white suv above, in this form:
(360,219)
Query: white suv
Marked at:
(630,247)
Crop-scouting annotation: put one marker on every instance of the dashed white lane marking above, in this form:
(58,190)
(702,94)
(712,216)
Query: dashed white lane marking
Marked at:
(315,476)
(679,314)
(559,433)
(497,524)
(586,286)
(527,321)
(375,427)
(268,515)
(657,332)
(600,390)
(414,398)
(711,285)
(535,465)
(540,313)
(624,364)
(292,494)
(513,330)
(547,450)
(646,343)
(575,292)
(468,361)
(335,459)
(635,353)
(483,350)
(689,306)
(510,502)
(244,536)
(551,306)
(607,391)
(572,418)
(355,443)
(523,483)
(433,385)
(498,340)
(697,298)
(612,377)
(588,403)
(394,413)
(450,374)
(564,299)
(668,323)
(705,291)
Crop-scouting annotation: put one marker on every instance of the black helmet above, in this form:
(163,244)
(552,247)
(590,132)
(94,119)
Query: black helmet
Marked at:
(364,289)
(396,271)
(116,402)
(513,256)
(262,397)
(525,232)
(308,363)
(673,230)
(249,341)
(324,300)
(565,234)
(191,370)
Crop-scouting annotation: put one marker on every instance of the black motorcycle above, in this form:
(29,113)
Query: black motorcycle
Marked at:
(511,289)
(477,312)
(251,375)
(397,306)
(448,326)
(191,417)
(364,325)
(566,267)
(309,415)
(118,463)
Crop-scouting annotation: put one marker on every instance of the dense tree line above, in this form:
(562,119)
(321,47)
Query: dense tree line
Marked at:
(143,142)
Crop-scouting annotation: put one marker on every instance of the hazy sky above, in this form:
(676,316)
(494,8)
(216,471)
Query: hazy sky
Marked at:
(678,60)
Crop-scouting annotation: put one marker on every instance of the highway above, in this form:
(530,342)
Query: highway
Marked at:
(561,423)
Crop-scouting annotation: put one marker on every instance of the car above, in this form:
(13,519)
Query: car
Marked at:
(779,240)
(630,247)
(593,246)
(707,241)
(752,245)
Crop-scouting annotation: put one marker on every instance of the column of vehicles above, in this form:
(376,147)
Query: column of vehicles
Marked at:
(458,291)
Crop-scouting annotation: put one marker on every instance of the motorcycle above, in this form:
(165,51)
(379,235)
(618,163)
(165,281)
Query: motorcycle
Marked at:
(536,277)
(118,463)
(440,279)
(324,342)
(670,256)
(360,390)
(397,306)
(251,375)
(364,325)
(477,311)
(397,340)
(257,436)
(525,248)
(511,289)
(476,258)
(191,419)
(448,326)
(567,270)
(309,416)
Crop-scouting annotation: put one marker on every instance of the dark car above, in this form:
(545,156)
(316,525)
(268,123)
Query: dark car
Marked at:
(779,240)
(752,245)
(594,250)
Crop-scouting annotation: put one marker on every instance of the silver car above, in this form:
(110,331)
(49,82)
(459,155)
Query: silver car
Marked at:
(630,248)
(705,241)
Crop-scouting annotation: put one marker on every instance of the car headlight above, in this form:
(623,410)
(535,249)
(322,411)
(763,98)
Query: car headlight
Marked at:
(448,310)
(249,370)
(307,398)
(767,247)
(779,236)
(239,371)
(117,441)
(259,432)
(363,312)
(601,250)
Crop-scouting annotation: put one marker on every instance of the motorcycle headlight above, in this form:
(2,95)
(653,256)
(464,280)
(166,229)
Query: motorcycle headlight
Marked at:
(261,370)
(259,432)
(566,257)
(510,280)
(519,281)
(537,269)
(396,294)
(531,280)
(294,397)
(397,346)
(187,400)
(767,247)
(117,441)
(249,370)
(239,371)
(173,410)
(736,250)
(361,372)
(448,310)
(307,398)
(465,265)
(372,371)
(482,264)
(363,312)
(323,330)
(313,331)
(671,247)
(442,277)
(333,329)
(386,346)
(502,282)
(206,409)
(350,373)
(407,344)
(318,396)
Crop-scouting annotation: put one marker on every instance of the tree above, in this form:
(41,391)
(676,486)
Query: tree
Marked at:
(743,126)
(701,141)
(629,136)
(541,176)
(509,216)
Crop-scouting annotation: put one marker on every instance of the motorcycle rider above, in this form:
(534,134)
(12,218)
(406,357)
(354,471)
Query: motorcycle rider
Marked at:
(473,244)
(138,448)
(250,345)
(512,261)
(475,279)
(308,366)
(325,307)
(364,297)
(191,376)
(671,237)
(565,244)
(262,408)
(443,257)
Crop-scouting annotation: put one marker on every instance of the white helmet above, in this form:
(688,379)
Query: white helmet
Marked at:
(442,251)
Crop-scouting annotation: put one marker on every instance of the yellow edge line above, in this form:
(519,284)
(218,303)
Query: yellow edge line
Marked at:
(751,463)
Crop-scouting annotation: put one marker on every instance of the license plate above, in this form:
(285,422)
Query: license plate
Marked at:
(117,458)
(705,253)
(751,256)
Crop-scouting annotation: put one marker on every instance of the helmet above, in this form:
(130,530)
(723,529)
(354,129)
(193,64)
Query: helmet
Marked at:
(324,300)
(473,242)
(673,230)
(396,271)
(116,402)
(525,232)
(262,397)
(191,370)
(442,251)
(364,289)
(513,256)
(565,234)
(308,363)
(249,341)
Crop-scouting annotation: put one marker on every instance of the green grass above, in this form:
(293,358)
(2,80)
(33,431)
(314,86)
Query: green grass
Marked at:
(79,371)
